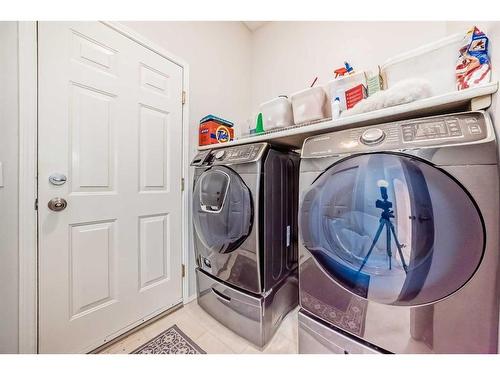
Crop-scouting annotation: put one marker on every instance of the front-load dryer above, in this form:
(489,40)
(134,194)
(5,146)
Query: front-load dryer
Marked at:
(244,211)
(398,238)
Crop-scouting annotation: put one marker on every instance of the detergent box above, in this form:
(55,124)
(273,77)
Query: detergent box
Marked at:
(355,95)
(215,130)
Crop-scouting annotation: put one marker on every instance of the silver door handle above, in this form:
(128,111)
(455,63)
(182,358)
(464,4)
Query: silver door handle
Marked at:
(57,204)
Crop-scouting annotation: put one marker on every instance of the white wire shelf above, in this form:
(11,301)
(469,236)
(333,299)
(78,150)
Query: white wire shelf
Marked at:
(293,136)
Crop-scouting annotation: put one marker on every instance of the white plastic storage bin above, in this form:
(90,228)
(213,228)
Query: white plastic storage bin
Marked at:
(277,113)
(434,62)
(310,105)
(338,87)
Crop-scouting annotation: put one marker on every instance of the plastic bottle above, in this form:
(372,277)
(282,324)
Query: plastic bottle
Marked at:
(336,108)
(260,124)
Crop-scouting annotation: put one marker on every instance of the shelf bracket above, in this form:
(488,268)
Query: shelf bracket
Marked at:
(480,102)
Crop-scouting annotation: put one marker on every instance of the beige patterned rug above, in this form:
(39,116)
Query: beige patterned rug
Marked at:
(170,341)
(350,319)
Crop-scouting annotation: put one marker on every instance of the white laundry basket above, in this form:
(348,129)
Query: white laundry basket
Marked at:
(434,62)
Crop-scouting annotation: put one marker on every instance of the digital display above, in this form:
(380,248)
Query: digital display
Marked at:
(435,129)
(430,130)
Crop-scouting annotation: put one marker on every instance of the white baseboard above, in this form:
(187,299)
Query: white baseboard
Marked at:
(189,299)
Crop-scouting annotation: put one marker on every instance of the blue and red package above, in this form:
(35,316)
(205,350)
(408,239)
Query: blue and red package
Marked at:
(473,66)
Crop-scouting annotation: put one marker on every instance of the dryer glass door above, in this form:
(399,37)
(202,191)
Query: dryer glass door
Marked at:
(392,229)
(222,209)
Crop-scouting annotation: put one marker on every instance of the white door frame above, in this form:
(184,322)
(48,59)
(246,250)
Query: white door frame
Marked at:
(27,232)
(28,123)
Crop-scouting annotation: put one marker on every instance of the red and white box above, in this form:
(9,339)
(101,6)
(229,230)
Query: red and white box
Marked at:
(354,95)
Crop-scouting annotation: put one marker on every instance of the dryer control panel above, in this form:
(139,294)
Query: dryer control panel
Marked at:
(437,131)
(239,154)
(230,155)
(201,158)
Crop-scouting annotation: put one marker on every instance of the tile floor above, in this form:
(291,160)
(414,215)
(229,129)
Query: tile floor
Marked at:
(210,335)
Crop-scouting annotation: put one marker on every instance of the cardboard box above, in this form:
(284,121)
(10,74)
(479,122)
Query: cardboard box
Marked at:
(212,132)
(355,95)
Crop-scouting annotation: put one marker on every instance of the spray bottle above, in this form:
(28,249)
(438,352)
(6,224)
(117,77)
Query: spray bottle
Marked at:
(336,108)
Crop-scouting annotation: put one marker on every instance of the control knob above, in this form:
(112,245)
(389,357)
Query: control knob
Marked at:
(220,154)
(372,136)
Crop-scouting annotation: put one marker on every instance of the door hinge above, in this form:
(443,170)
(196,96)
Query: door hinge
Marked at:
(182,184)
(183,272)
(36,204)
(183,97)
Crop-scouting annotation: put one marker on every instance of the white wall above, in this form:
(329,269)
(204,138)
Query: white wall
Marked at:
(288,55)
(9,141)
(219,58)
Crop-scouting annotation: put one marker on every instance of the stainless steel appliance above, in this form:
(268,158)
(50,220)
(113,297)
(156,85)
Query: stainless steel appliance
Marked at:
(398,238)
(245,202)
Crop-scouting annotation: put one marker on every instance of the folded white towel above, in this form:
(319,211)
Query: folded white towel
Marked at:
(405,91)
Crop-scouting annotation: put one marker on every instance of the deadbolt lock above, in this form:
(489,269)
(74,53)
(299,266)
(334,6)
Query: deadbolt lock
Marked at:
(57,179)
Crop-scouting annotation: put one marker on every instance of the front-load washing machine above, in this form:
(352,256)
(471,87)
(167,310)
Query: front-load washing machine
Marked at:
(245,201)
(398,238)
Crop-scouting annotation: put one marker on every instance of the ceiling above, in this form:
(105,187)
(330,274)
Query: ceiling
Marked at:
(254,25)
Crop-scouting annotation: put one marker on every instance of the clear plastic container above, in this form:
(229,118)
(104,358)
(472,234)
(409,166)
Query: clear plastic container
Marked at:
(310,105)
(277,113)
(434,62)
(249,128)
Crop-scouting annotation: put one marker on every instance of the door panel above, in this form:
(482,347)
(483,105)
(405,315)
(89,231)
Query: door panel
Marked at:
(92,252)
(154,128)
(92,134)
(110,120)
(154,250)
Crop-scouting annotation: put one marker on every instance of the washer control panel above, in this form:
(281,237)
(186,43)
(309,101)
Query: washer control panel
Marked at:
(446,130)
(239,154)
(447,127)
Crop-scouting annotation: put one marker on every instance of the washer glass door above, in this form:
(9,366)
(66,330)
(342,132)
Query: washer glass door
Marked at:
(392,229)
(222,209)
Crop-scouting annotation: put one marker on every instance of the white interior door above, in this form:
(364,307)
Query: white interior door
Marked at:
(110,119)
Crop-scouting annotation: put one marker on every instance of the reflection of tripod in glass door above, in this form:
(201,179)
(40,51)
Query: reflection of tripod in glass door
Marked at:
(385,221)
